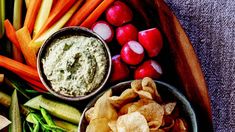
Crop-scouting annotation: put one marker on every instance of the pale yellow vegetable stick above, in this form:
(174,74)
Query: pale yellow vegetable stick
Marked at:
(17,15)
(36,44)
(27,3)
(43,14)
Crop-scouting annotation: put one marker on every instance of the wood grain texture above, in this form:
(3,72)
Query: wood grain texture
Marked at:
(186,64)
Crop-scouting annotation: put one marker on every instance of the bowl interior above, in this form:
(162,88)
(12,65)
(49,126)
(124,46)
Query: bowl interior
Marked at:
(167,92)
(67,32)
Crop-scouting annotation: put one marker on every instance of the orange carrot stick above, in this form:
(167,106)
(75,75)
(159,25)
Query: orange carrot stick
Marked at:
(29,53)
(17,54)
(33,82)
(31,14)
(11,33)
(97,13)
(18,68)
(83,12)
(60,8)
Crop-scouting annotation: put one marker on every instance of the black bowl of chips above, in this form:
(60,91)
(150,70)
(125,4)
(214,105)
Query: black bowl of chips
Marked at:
(139,105)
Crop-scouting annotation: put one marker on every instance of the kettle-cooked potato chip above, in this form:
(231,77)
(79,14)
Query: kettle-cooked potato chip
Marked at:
(136,105)
(126,96)
(144,94)
(167,123)
(133,122)
(148,83)
(89,115)
(103,107)
(180,126)
(136,85)
(113,126)
(169,107)
(153,113)
(98,124)
(124,109)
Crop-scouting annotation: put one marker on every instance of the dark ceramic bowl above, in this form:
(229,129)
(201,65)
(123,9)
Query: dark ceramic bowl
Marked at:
(66,32)
(166,91)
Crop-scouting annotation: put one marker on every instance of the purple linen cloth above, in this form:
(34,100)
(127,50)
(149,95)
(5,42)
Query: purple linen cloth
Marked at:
(210,25)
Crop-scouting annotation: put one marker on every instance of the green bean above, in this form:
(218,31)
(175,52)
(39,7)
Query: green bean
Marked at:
(30,127)
(37,125)
(46,116)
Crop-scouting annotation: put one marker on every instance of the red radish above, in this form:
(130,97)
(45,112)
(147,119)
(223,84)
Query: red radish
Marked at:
(132,53)
(126,33)
(119,69)
(151,40)
(103,29)
(119,14)
(149,68)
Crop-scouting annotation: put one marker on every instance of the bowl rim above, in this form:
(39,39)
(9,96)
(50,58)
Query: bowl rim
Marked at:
(170,88)
(59,33)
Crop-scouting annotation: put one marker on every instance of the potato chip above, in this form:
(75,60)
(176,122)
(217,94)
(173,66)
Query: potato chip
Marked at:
(143,94)
(133,122)
(148,83)
(169,108)
(136,85)
(167,123)
(100,124)
(154,125)
(126,96)
(153,113)
(124,109)
(149,89)
(158,130)
(136,105)
(113,126)
(103,107)
(180,126)
(89,115)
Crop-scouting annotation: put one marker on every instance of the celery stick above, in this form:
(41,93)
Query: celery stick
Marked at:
(17,14)
(14,114)
(42,16)
(2,17)
(58,25)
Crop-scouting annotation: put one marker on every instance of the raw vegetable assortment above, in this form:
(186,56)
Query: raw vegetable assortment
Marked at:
(112,20)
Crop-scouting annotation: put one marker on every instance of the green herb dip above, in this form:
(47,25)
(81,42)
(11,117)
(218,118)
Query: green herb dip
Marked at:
(75,65)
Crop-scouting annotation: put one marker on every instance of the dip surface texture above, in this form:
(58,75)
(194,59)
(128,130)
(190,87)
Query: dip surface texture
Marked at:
(75,65)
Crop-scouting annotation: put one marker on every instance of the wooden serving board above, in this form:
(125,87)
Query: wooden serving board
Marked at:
(180,60)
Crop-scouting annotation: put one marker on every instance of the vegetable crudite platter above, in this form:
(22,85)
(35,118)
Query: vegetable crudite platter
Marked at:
(98,65)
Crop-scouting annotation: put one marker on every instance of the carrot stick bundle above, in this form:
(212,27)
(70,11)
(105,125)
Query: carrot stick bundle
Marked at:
(29,53)
(31,14)
(18,68)
(11,33)
(83,12)
(96,13)
(60,8)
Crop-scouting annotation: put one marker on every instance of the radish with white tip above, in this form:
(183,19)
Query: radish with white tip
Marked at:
(149,68)
(118,14)
(120,70)
(132,53)
(126,33)
(103,29)
(151,40)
